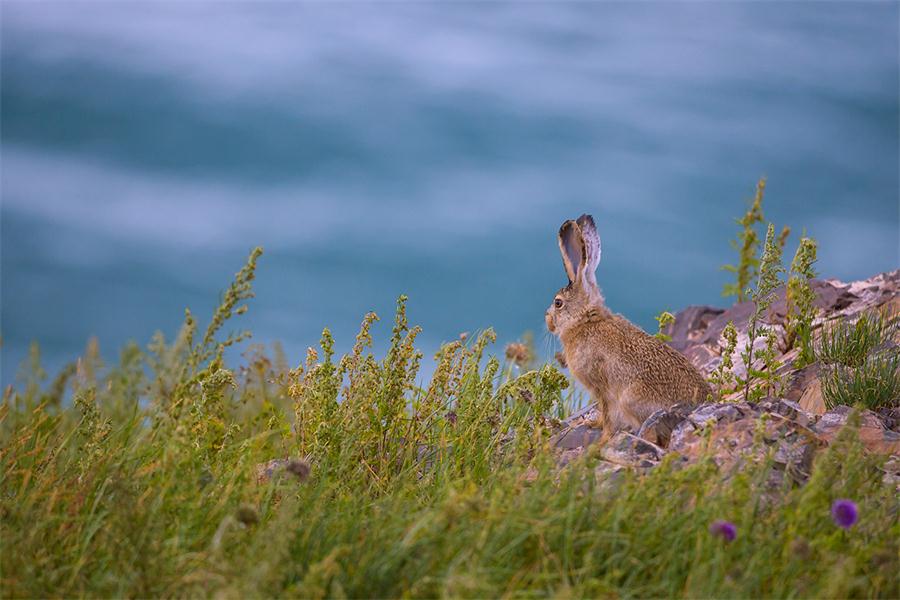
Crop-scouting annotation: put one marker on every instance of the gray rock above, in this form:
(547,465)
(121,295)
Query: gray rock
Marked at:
(690,324)
(575,437)
(658,427)
(788,409)
(631,451)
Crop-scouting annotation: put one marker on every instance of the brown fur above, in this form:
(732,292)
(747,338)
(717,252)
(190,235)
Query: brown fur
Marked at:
(629,373)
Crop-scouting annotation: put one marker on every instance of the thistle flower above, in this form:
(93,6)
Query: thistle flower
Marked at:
(844,513)
(723,529)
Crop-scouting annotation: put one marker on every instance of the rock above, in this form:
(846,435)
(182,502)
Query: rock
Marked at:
(703,357)
(890,417)
(658,427)
(631,451)
(789,410)
(690,324)
(800,380)
(608,475)
(739,314)
(716,412)
(567,456)
(731,443)
(872,432)
(891,469)
(576,437)
(812,400)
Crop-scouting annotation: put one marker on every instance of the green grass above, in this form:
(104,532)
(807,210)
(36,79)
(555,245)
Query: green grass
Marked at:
(850,344)
(860,364)
(144,485)
(874,384)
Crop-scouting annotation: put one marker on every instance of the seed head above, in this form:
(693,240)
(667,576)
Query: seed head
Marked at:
(518,353)
(298,468)
(246,514)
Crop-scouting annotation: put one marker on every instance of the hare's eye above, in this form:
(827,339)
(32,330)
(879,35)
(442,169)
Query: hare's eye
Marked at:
(557,303)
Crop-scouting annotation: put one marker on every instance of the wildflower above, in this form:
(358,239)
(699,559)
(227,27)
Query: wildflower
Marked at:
(451,417)
(723,529)
(844,513)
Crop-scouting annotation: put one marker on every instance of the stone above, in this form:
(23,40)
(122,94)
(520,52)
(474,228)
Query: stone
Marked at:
(890,418)
(704,358)
(872,432)
(812,400)
(789,410)
(733,443)
(716,412)
(608,476)
(891,469)
(658,427)
(631,451)
(690,324)
(576,437)
(739,314)
(567,456)
(800,380)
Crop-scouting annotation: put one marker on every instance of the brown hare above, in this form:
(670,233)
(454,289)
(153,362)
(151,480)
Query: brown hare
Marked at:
(628,373)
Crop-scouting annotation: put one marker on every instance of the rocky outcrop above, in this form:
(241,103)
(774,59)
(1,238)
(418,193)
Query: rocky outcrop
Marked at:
(787,430)
(697,330)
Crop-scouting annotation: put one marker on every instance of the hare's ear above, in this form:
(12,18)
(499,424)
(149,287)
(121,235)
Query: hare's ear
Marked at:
(571,246)
(591,241)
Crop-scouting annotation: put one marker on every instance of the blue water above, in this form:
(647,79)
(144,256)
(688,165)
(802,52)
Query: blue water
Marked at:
(425,149)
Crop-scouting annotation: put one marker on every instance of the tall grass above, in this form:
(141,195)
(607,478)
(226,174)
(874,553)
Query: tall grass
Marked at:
(146,484)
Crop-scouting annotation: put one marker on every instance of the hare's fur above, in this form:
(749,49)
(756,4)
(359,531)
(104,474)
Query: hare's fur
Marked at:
(629,373)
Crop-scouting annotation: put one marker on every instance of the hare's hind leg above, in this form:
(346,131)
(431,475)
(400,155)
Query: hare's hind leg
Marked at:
(636,404)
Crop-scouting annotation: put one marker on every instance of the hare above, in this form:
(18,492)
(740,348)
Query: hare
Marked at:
(629,373)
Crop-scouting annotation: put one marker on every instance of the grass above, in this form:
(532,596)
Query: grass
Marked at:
(850,344)
(146,485)
(861,364)
(874,384)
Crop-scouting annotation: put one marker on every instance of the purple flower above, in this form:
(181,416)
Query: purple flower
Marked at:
(844,513)
(723,529)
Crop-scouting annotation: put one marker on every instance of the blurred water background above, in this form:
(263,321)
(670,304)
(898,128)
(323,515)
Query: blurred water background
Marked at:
(426,149)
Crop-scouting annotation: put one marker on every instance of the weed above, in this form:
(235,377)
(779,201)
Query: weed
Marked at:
(665,319)
(769,271)
(745,271)
(800,299)
(722,378)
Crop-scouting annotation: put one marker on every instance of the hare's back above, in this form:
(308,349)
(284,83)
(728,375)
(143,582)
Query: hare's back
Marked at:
(656,364)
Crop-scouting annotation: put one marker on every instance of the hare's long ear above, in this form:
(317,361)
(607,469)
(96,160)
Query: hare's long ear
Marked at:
(591,241)
(571,246)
